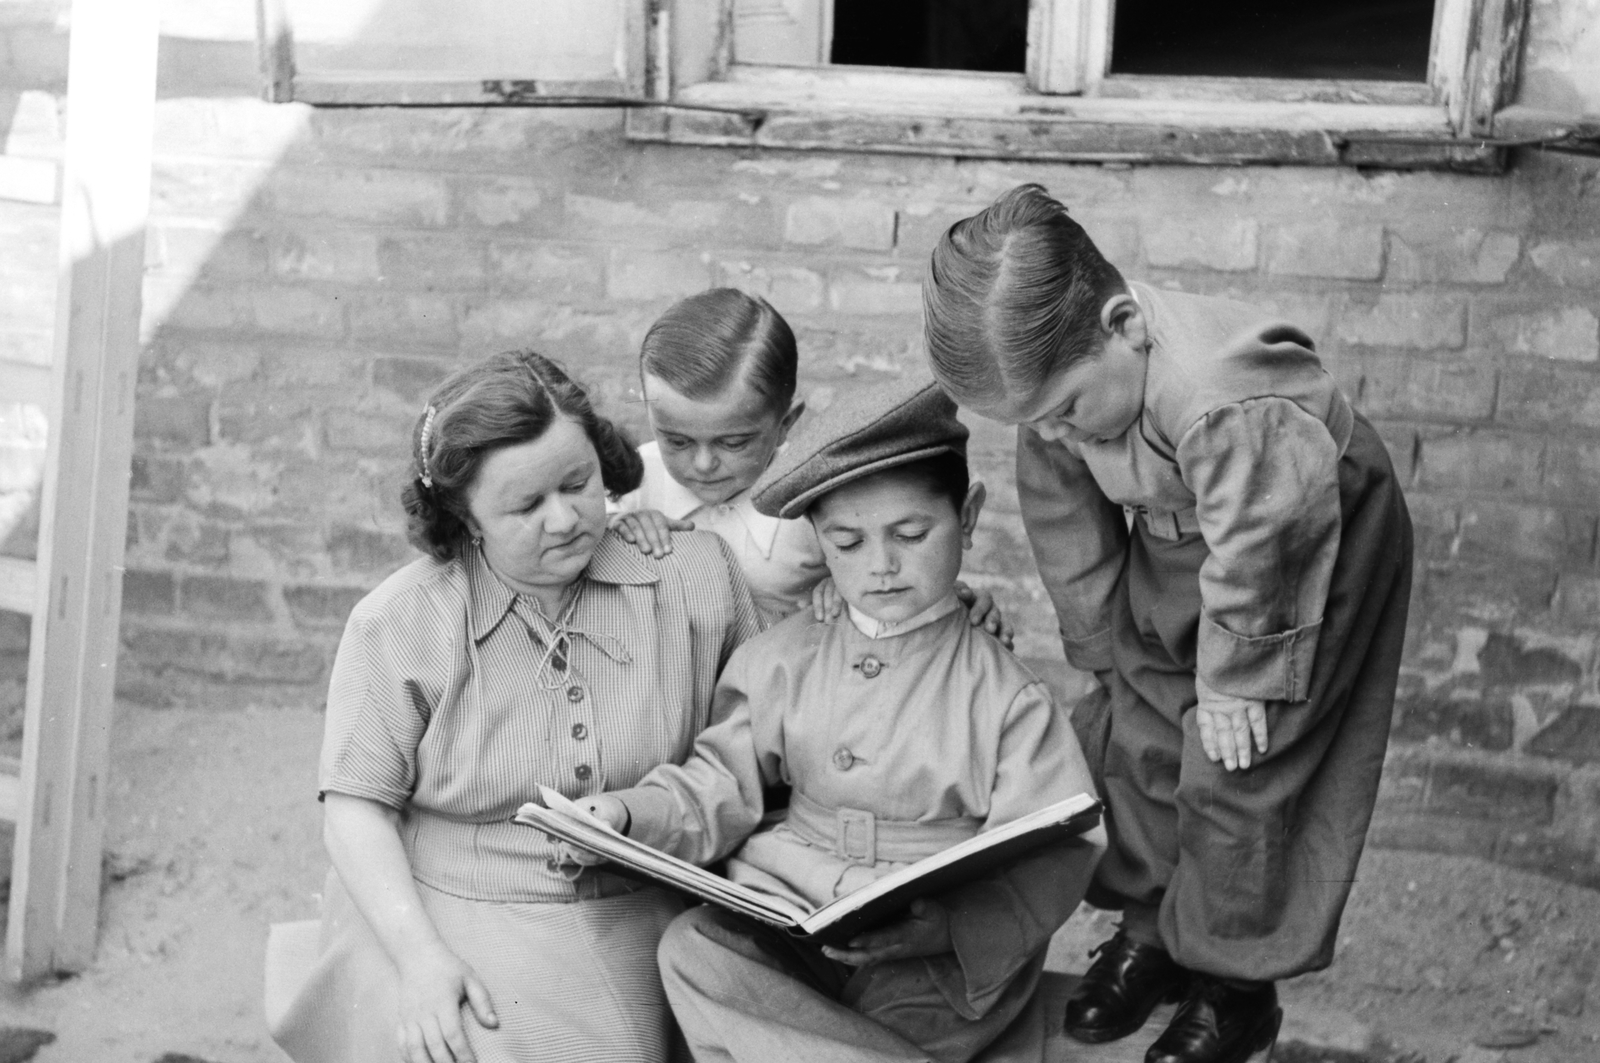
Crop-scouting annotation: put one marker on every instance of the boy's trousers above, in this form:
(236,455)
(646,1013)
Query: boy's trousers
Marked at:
(1250,869)
(746,992)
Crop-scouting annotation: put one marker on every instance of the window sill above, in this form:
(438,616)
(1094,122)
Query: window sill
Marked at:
(997,116)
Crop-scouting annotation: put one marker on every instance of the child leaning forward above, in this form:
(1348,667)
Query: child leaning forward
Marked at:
(1247,622)
(902,730)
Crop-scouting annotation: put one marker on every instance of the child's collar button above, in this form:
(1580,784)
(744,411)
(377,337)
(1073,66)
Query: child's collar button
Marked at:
(870,667)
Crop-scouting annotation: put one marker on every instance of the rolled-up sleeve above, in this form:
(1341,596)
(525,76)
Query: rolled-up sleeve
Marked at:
(1264,473)
(1079,537)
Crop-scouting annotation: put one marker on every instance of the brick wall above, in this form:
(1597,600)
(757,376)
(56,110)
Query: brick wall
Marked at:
(313,274)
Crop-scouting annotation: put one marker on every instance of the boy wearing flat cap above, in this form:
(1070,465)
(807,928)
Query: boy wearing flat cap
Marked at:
(901,730)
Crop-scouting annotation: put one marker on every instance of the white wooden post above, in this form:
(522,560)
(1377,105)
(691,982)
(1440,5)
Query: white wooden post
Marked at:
(55,886)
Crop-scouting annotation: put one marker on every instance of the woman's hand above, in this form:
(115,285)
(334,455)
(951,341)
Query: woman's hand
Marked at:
(925,931)
(826,601)
(984,613)
(649,530)
(1227,724)
(365,846)
(433,984)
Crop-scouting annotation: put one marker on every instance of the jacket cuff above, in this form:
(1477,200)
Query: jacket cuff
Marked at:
(1092,653)
(1269,668)
(656,822)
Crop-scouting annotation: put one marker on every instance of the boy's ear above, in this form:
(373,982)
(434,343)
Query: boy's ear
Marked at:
(976,495)
(1122,315)
(787,421)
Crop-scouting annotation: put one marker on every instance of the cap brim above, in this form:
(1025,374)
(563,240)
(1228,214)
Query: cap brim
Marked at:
(797,505)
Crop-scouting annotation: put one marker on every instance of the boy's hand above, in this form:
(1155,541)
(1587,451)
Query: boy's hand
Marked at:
(984,613)
(925,931)
(608,810)
(649,530)
(826,601)
(1227,724)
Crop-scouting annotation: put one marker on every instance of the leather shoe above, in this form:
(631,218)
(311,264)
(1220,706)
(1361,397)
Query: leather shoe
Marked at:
(1220,1022)
(1121,989)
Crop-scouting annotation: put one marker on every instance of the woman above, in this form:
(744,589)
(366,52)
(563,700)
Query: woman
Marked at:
(530,647)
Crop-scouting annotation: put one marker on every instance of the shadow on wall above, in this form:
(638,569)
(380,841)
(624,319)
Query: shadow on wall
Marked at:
(33,71)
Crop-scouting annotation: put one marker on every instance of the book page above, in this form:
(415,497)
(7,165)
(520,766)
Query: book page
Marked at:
(563,819)
(838,921)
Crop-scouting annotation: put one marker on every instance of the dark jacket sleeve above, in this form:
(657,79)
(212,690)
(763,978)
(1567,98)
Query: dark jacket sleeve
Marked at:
(1079,537)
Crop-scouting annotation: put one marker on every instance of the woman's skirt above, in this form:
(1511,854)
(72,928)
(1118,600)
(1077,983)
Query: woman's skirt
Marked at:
(569,982)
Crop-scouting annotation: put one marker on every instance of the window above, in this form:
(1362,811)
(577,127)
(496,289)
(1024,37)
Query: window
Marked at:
(1363,82)
(1347,51)
(990,35)
(1363,40)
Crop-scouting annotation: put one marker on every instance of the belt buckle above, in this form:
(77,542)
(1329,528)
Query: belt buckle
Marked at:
(1162,523)
(856,836)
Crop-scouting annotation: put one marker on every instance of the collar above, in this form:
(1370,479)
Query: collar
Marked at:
(884,629)
(1145,296)
(680,503)
(614,561)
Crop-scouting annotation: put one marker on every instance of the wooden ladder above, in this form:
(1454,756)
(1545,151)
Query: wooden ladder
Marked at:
(73,591)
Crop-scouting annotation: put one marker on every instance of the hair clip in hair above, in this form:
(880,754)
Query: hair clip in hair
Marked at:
(422,447)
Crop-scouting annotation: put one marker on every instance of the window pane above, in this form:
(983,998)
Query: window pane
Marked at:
(933,34)
(1384,40)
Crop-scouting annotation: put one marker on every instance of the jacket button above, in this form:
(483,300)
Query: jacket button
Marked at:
(870,667)
(583,772)
(579,731)
(843,759)
(574,694)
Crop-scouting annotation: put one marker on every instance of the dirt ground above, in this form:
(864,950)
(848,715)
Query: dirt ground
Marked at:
(213,835)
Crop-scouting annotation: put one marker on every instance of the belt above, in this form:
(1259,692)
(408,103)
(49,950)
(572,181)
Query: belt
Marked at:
(1169,524)
(862,838)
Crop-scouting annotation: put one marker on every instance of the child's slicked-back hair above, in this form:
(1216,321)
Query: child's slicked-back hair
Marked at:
(1013,296)
(706,342)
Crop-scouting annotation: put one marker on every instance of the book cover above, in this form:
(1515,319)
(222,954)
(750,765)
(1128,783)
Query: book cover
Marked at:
(840,920)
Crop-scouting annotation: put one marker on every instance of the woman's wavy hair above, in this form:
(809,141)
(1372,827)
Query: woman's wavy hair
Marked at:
(1013,296)
(504,400)
(702,344)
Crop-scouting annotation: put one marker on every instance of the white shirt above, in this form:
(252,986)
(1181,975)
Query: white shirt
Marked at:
(885,629)
(781,559)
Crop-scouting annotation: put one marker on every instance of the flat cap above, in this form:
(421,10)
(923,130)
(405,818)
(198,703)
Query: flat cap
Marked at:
(866,430)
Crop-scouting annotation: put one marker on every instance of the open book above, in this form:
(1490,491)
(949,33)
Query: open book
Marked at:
(840,920)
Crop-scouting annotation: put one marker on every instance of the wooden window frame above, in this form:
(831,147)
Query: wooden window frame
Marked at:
(635,81)
(1070,107)
(678,77)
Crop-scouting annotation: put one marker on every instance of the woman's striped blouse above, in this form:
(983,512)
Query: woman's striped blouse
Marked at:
(447,703)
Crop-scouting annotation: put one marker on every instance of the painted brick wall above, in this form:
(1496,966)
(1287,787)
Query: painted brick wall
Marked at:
(313,274)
